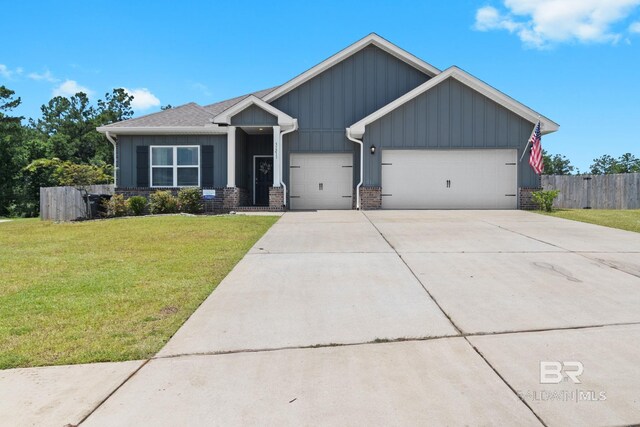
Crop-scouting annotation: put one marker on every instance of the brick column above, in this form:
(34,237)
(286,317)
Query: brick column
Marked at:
(525,200)
(231,197)
(276,198)
(370,198)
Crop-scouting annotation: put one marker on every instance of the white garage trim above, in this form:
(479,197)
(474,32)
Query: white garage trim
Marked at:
(321,180)
(450,179)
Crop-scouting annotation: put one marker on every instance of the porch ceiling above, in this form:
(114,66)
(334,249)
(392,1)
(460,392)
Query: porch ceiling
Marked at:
(258,130)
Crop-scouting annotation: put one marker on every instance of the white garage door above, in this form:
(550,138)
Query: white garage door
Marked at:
(449,179)
(321,181)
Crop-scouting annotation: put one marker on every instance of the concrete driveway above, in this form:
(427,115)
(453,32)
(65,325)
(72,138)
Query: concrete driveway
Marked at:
(405,318)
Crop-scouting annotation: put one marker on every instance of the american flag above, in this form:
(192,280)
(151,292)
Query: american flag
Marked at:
(535,158)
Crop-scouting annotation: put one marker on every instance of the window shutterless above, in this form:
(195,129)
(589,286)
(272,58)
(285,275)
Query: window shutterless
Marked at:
(175,166)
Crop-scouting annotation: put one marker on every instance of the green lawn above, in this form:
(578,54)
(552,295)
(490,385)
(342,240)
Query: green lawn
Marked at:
(628,219)
(110,290)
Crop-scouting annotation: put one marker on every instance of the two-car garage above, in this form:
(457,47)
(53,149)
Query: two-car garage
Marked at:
(449,179)
(411,179)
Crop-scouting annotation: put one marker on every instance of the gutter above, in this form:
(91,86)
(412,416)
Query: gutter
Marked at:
(115,148)
(282,134)
(357,141)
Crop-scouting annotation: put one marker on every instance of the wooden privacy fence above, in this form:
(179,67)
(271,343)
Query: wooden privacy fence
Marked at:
(67,203)
(615,191)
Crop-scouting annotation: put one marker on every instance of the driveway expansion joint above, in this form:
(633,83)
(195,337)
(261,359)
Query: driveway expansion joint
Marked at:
(386,341)
(460,331)
(131,375)
(513,390)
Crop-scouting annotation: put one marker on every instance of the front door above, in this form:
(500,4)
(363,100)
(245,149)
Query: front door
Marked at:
(263,179)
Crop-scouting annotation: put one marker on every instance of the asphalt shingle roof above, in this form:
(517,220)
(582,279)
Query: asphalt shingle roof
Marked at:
(190,114)
(219,107)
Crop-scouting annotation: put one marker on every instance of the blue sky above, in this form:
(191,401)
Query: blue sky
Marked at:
(575,61)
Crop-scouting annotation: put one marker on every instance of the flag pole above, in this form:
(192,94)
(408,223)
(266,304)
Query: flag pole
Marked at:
(529,140)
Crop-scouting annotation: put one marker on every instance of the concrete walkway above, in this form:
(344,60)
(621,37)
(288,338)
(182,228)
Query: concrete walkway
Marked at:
(405,318)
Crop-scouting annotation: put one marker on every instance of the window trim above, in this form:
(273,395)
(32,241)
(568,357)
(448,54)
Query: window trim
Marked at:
(174,166)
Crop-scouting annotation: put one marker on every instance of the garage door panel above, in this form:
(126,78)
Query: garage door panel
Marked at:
(321,181)
(449,179)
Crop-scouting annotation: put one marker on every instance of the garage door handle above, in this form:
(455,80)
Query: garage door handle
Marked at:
(320,185)
(448,183)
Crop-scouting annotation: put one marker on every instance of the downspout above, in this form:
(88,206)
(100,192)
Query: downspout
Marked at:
(115,169)
(357,141)
(282,134)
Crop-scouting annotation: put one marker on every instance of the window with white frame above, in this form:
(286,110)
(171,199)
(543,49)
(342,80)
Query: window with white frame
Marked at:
(175,166)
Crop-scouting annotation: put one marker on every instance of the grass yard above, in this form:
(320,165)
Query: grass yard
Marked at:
(110,290)
(627,219)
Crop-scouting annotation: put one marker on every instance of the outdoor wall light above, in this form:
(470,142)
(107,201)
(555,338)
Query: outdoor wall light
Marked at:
(372,149)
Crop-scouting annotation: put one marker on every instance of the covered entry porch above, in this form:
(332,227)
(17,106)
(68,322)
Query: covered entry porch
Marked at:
(255,132)
(254,163)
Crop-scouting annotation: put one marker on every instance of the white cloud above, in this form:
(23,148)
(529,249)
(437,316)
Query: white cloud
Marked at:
(143,99)
(540,23)
(635,27)
(70,88)
(8,73)
(46,76)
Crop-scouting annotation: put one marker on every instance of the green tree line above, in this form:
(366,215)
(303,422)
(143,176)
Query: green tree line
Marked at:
(59,147)
(557,164)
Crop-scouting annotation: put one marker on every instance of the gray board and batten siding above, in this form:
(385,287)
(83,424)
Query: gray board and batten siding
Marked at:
(254,116)
(128,152)
(340,96)
(448,116)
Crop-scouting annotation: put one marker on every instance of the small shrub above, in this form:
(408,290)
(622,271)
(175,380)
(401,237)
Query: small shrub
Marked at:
(115,206)
(544,199)
(190,200)
(137,204)
(162,202)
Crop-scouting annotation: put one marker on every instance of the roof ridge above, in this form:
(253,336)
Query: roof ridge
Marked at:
(198,106)
(241,97)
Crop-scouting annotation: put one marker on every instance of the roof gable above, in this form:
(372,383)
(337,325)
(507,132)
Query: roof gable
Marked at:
(251,100)
(358,129)
(371,39)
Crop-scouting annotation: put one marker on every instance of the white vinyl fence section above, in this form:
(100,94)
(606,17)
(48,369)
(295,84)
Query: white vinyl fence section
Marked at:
(66,203)
(615,191)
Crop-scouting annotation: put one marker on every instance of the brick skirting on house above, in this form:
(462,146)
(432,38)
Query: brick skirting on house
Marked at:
(526,202)
(227,199)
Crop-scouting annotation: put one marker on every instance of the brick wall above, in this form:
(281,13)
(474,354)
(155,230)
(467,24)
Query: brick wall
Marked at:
(244,197)
(230,198)
(226,199)
(526,203)
(370,198)
(276,198)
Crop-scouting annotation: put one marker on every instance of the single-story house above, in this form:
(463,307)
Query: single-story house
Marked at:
(371,127)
